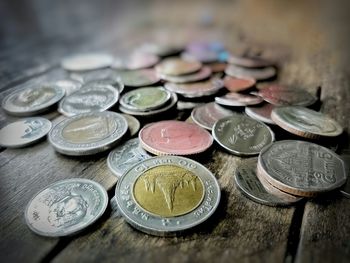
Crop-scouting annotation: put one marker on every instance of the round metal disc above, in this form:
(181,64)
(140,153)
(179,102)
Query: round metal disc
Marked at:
(133,124)
(177,66)
(138,78)
(238,100)
(203,73)
(258,74)
(261,112)
(88,61)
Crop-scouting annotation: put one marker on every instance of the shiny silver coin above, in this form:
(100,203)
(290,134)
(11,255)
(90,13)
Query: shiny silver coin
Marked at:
(166,195)
(138,78)
(91,97)
(242,135)
(66,207)
(133,124)
(88,61)
(258,74)
(202,74)
(32,100)
(69,85)
(88,133)
(24,132)
(125,156)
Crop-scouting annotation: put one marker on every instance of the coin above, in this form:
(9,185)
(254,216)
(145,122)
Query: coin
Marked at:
(206,115)
(204,56)
(238,84)
(242,135)
(261,112)
(301,168)
(91,97)
(24,132)
(66,207)
(174,138)
(145,99)
(203,73)
(125,156)
(88,133)
(237,99)
(345,190)
(136,60)
(115,83)
(88,61)
(258,74)
(249,62)
(133,124)
(305,122)
(69,85)
(32,100)
(217,67)
(139,78)
(177,66)
(166,195)
(161,49)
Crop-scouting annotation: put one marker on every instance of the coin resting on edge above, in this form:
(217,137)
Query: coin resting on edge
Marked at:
(301,168)
(242,135)
(138,78)
(176,66)
(24,132)
(88,133)
(133,124)
(261,112)
(88,61)
(258,74)
(237,99)
(32,100)
(168,194)
(238,84)
(203,73)
(66,207)
(305,122)
(174,138)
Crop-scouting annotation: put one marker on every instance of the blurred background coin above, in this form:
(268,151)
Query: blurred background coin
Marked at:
(177,66)
(87,61)
(255,73)
(261,112)
(238,99)
(138,78)
(238,84)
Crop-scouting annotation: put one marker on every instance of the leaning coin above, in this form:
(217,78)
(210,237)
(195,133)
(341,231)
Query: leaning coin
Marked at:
(138,78)
(66,207)
(133,124)
(301,168)
(261,112)
(258,74)
(305,122)
(88,61)
(134,61)
(88,133)
(167,195)
(177,66)
(69,85)
(126,155)
(203,73)
(249,62)
(242,135)
(238,84)
(238,99)
(91,97)
(24,132)
(32,100)
(174,138)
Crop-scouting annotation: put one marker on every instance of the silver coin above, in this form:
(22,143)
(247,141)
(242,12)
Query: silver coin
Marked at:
(249,62)
(242,135)
(88,133)
(162,50)
(167,194)
(135,61)
(258,74)
(235,99)
(32,100)
(126,155)
(345,190)
(69,85)
(138,78)
(66,207)
(24,132)
(133,124)
(91,97)
(261,113)
(88,61)
(302,168)
(202,74)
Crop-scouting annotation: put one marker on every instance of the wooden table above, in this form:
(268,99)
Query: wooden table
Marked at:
(310,41)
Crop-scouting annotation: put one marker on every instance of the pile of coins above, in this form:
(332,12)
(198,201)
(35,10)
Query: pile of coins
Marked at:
(159,191)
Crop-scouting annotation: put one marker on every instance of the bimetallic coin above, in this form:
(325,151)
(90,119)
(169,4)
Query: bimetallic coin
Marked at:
(133,124)
(145,99)
(206,115)
(138,78)
(238,84)
(91,97)
(33,100)
(24,132)
(166,195)
(242,135)
(88,133)
(261,112)
(237,99)
(258,74)
(69,85)
(301,168)
(174,138)
(203,73)
(66,207)
(89,61)
(125,156)
(249,62)
(177,66)
(305,122)
(137,60)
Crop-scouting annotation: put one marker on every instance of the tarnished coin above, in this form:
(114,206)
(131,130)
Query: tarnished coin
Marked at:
(24,132)
(91,97)
(206,115)
(203,73)
(137,60)
(133,124)
(258,74)
(242,135)
(261,112)
(249,62)
(32,100)
(145,99)
(88,133)
(174,138)
(168,194)
(89,61)
(238,99)
(301,168)
(66,207)
(238,84)
(138,78)
(125,156)
(69,85)
(305,122)
(177,66)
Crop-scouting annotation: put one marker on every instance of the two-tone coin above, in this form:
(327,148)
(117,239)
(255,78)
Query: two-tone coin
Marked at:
(138,78)
(174,138)
(238,84)
(32,100)
(237,99)
(134,61)
(177,66)
(203,73)
(242,135)
(133,124)
(88,133)
(167,195)
(66,207)
(261,112)
(69,85)
(255,73)
(88,61)
(24,132)
(249,62)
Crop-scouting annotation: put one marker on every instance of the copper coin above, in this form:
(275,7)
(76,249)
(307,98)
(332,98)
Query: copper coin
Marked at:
(177,66)
(203,73)
(249,62)
(237,99)
(261,113)
(217,67)
(174,138)
(137,60)
(256,73)
(238,84)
